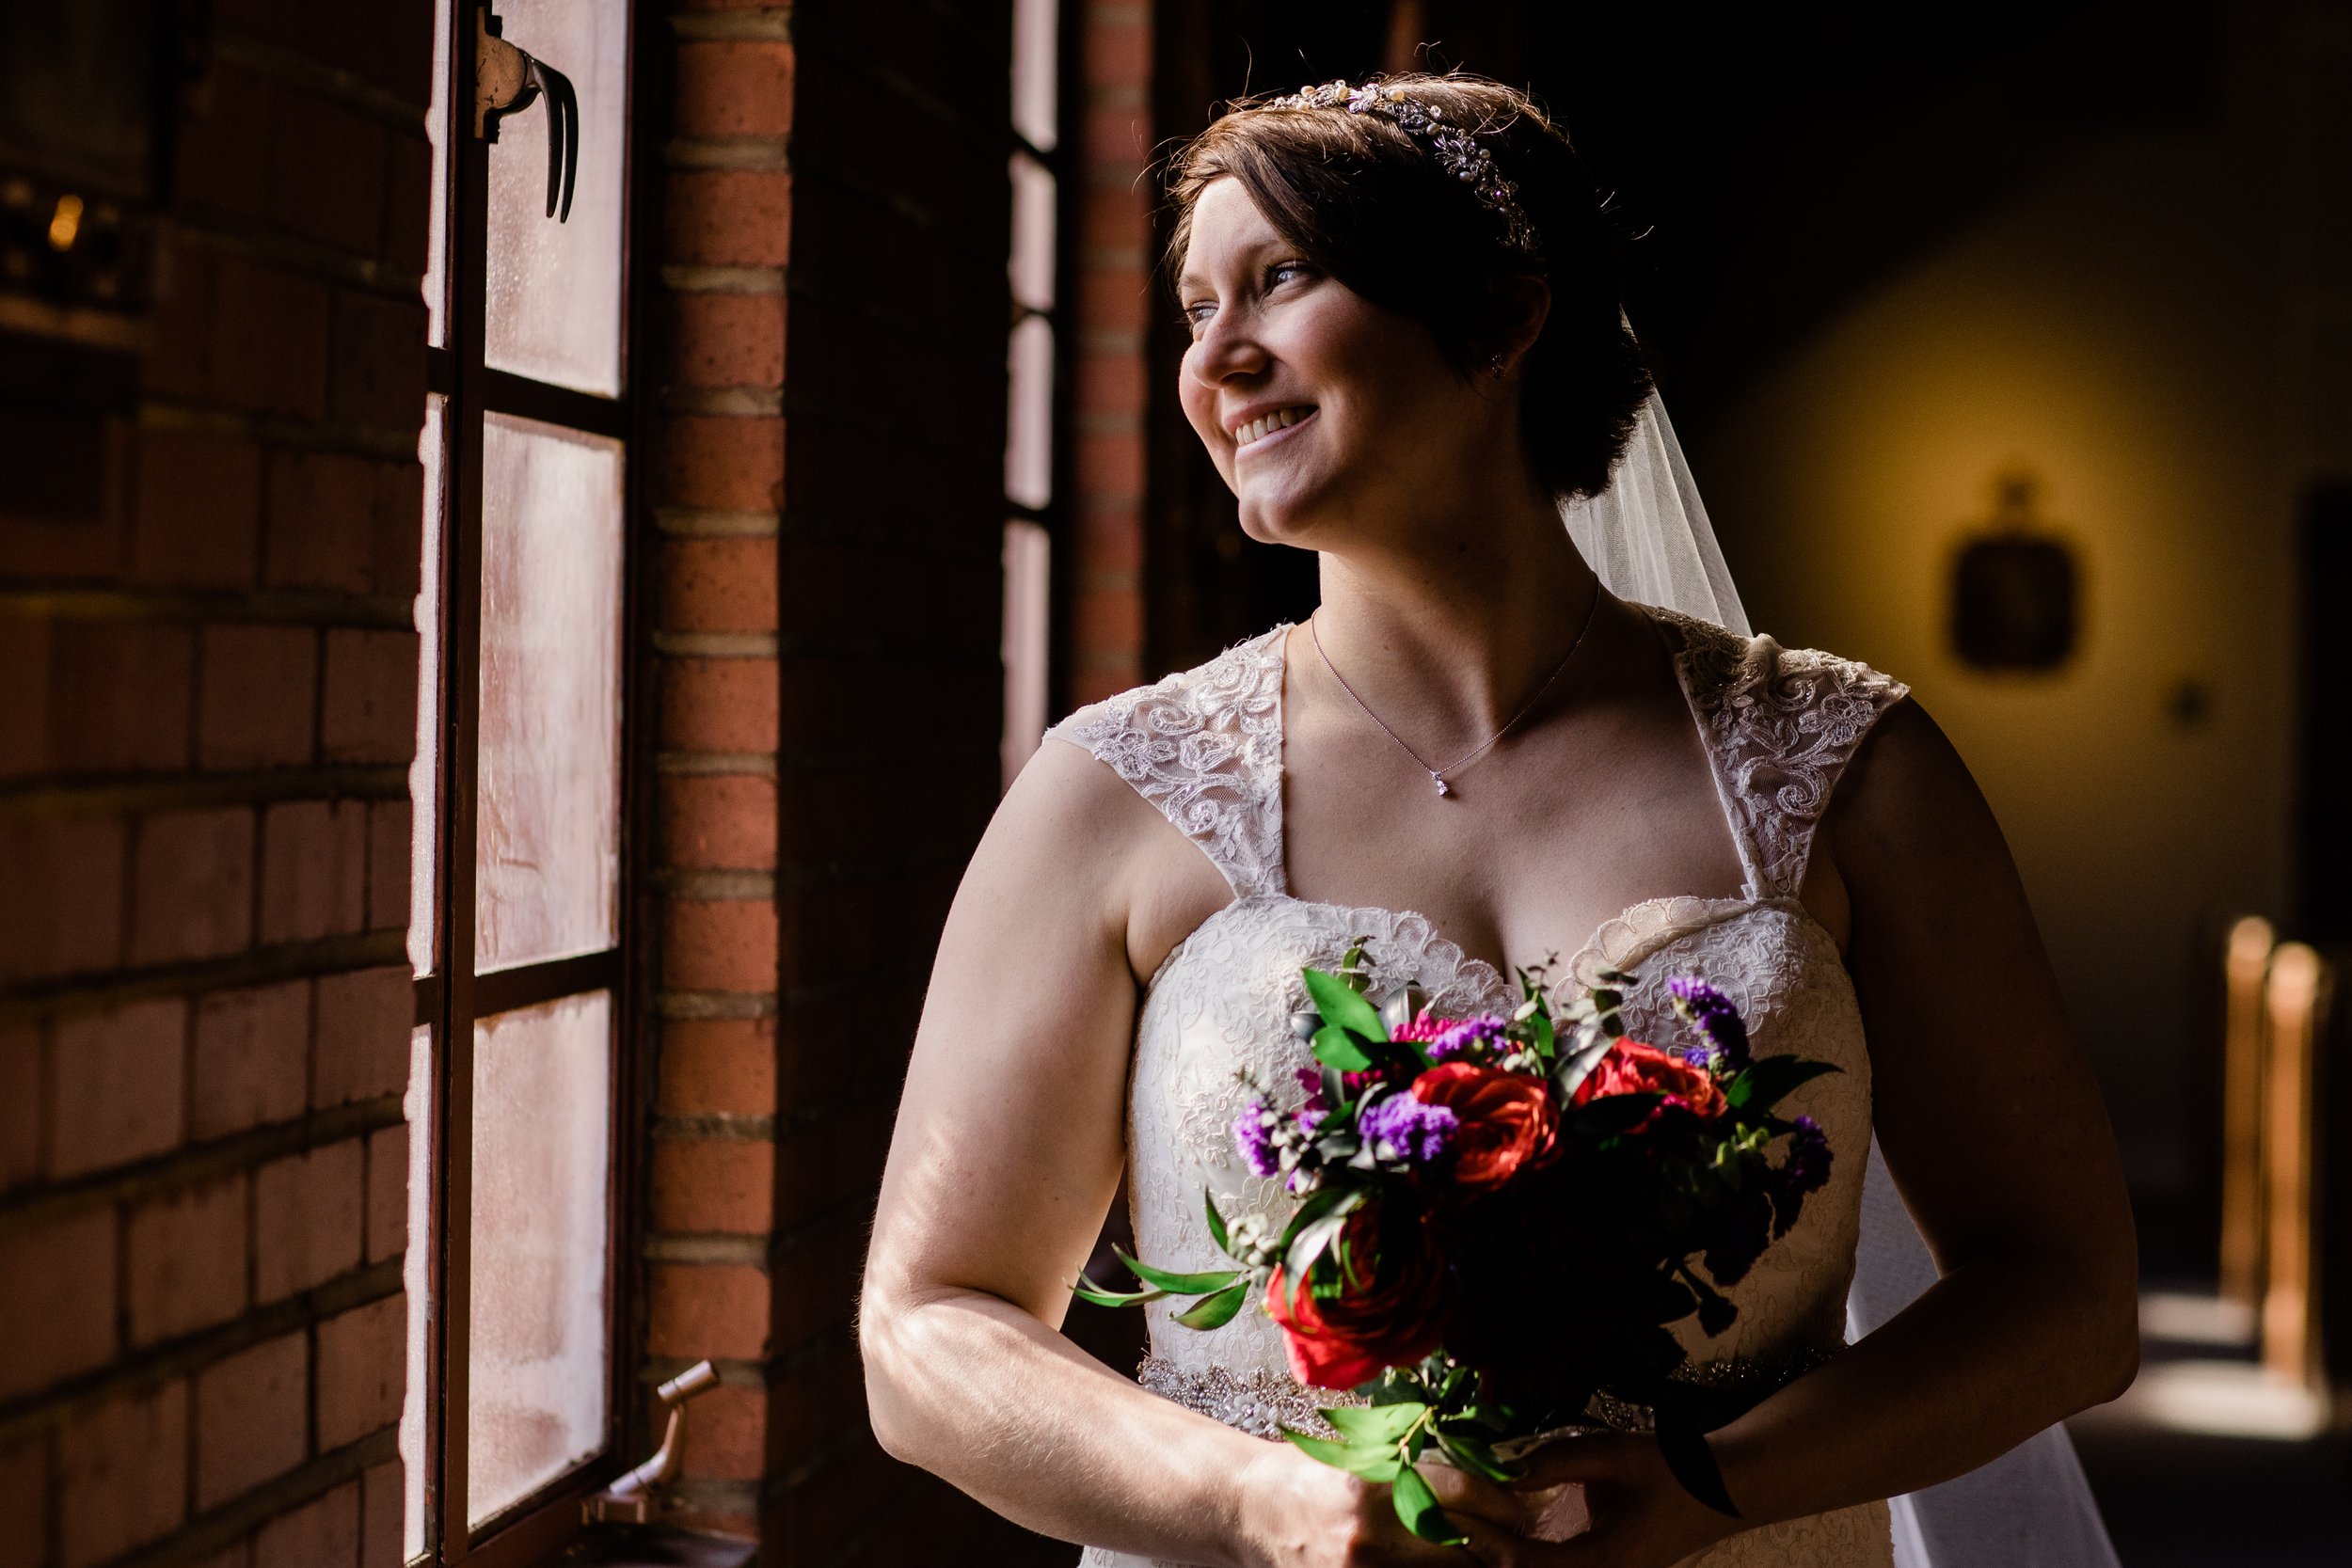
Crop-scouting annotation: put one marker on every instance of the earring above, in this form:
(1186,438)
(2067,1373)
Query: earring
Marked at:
(1494,366)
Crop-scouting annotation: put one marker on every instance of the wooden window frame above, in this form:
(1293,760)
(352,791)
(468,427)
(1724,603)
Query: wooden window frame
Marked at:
(452,997)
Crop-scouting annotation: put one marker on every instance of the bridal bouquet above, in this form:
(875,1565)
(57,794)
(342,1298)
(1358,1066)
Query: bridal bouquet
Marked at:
(1499,1218)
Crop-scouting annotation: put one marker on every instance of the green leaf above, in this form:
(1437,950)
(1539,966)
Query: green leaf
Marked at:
(1760,1084)
(1218,1310)
(1313,1241)
(1177,1284)
(1468,1453)
(1375,1423)
(1418,1507)
(1341,1004)
(1216,1221)
(1379,1465)
(1335,1047)
(1086,1289)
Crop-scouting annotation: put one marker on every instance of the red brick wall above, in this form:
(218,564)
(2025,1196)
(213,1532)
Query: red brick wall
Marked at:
(206,714)
(1114,296)
(830,368)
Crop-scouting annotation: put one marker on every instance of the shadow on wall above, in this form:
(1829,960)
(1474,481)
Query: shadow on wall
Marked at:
(2114,332)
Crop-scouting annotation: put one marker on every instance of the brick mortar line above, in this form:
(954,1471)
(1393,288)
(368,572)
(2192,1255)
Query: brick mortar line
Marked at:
(691,522)
(231,236)
(295,607)
(716,644)
(717,1127)
(283,961)
(763,402)
(751,25)
(698,280)
(176,1358)
(864,873)
(706,522)
(756,1372)
(864,651)
(344,436)
(711,885)
(294,68)
(185,1167)
(53,798)
(701,1006)
(232,1521)
(753,154)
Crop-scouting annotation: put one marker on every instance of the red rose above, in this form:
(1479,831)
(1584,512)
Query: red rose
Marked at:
(1633,1067)
(1507,1119)
(1395,1320)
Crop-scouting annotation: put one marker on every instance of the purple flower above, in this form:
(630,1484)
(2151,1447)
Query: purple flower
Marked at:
(1473,1036)
(1253,1136)
(1711,1012)
(1399,1127)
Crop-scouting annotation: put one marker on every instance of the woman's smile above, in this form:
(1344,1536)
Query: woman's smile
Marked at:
(1252,436)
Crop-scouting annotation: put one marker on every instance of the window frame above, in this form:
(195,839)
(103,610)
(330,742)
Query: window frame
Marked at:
(450,997)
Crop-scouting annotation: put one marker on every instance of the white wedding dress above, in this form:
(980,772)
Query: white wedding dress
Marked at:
(1205,746)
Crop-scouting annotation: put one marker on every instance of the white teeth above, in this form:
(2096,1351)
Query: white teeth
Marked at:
(1258,429)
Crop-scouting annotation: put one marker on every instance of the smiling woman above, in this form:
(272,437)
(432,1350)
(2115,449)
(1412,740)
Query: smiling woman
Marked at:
(1407,354)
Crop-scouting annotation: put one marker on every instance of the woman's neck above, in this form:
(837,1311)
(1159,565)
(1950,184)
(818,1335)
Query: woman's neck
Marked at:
(1451,631)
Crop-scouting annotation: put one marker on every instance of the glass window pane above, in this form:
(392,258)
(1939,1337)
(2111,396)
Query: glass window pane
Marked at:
(1029,435)
(548,851)
(416,1278)
(1032,233)
(1027,561)
(536,1405)
(554,308)
(437,221)
(424,772)
(1035,52)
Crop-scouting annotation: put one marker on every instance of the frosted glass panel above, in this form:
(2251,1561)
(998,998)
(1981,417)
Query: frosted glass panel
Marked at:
(1027,557)
(437,221)
(1032,233)
(548,850)
(554,308)
(1028,437)
(537,1404)
(416,1278)
(424,771)
(1036,65)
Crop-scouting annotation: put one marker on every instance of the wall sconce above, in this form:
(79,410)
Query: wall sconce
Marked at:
(2015,589)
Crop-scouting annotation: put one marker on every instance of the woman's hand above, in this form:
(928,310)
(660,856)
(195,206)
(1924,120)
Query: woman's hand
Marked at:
(1300,1514)
(1639,1515)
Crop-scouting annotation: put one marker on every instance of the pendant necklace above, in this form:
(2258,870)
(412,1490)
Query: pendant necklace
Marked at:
(1437,775)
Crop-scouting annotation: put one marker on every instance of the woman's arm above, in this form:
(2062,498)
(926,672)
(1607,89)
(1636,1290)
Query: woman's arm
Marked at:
(1007,1153)
(1993,1128)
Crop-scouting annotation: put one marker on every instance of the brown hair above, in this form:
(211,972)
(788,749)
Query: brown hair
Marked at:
(1370,205)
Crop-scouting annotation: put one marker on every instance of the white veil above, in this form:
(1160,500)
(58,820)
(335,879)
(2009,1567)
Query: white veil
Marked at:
(1648,539)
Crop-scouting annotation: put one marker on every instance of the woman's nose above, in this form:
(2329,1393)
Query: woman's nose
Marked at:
(1225,349)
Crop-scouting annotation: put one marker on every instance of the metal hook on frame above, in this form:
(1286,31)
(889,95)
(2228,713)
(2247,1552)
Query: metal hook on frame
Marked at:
(508,81)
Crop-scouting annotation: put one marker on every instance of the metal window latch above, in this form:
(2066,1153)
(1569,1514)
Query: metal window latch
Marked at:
(506,81)
(629,1500)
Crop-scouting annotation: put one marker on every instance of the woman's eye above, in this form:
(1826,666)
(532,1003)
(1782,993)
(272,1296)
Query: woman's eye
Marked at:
(1282,270)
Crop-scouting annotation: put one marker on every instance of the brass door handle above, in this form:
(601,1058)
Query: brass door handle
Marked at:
(507,81)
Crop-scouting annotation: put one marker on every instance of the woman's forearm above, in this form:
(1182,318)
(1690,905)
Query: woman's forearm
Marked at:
(980,1393)
(1994,1351)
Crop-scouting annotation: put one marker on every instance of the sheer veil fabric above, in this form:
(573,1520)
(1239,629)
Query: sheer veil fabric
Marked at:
(1648,539)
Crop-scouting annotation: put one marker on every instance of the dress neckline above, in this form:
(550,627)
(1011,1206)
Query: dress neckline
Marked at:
(1699,910)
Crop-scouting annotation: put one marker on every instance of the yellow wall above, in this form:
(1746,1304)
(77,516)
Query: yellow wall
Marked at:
(2113,331)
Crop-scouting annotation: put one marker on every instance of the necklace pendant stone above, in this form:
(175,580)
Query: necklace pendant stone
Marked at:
(1438,779)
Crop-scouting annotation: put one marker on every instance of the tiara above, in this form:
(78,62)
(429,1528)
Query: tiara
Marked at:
(1455,148)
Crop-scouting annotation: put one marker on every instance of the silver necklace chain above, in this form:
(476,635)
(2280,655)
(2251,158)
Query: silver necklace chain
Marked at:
(1437,775)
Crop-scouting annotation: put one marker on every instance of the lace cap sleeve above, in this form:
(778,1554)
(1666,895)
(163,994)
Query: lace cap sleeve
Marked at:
(1782,723)
(1205,746)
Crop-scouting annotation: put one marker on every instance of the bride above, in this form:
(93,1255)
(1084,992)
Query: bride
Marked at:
(1407,355)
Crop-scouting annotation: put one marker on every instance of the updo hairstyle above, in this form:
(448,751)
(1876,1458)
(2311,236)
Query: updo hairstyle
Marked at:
(1372,206)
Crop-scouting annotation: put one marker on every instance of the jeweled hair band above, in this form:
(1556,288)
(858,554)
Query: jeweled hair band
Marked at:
(1455,147)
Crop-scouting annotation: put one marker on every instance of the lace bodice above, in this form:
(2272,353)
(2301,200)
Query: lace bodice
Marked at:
(1206,746)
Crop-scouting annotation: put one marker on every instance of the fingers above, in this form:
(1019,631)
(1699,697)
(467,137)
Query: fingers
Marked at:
(1500,1549)
(1583,1457)
(1463,1493)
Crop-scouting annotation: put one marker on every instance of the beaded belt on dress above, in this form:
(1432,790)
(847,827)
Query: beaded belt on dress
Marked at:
(1263,1402)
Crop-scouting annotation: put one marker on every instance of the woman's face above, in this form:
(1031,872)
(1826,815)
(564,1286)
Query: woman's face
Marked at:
(1324,412)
